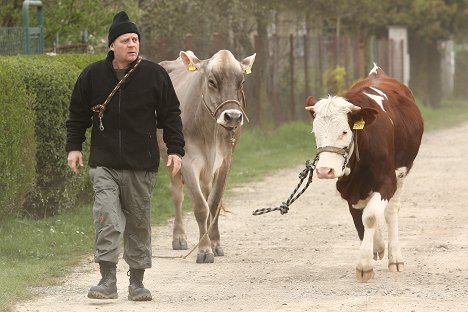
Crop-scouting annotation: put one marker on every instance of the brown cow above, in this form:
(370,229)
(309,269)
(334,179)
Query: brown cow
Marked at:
(368,140)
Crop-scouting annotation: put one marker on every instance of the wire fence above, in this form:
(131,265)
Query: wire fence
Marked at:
(11,40)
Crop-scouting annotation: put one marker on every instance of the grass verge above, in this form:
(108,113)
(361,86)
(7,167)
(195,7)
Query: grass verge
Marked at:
(37,253)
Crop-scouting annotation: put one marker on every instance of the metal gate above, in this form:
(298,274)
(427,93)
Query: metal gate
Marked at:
(26,39)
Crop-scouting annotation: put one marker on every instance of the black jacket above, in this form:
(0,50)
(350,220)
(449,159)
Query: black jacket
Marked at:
(146,101)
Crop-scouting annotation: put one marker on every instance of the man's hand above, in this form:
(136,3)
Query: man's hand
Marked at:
(74,158)
(176,162)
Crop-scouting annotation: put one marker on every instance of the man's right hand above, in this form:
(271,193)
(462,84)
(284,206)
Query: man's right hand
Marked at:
(75,158)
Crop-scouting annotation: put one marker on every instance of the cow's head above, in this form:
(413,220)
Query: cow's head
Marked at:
(222,89)
(333,120)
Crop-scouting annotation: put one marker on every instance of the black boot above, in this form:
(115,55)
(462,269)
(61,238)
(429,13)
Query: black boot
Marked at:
(107,287)
(136,290)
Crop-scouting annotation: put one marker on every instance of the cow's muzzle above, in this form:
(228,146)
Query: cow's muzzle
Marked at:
(329,173)
(231,115)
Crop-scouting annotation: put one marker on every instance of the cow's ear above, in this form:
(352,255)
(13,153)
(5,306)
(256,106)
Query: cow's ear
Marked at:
(247,63)
(310,102)
(191,62)
(362,117)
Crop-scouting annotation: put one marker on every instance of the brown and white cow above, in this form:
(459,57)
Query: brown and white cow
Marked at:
(368,140)
(212,104)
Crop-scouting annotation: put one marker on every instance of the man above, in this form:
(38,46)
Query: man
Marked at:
(124,156)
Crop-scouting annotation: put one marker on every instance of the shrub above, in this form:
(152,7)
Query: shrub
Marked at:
(49,82)
(334,80)
(17,143)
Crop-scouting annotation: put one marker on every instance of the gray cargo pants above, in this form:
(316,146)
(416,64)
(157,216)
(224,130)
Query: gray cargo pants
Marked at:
(122,206)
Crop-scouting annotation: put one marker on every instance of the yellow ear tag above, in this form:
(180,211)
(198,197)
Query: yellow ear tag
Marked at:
(358,125)
(248,70)
(191,67)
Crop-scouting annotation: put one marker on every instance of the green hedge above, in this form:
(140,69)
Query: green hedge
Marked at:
(17,143)
(47,82)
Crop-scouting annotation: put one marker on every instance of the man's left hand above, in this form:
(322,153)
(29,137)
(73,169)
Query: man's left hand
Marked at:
(176,162)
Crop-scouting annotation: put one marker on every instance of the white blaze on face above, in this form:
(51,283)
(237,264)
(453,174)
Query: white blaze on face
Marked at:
(331,128)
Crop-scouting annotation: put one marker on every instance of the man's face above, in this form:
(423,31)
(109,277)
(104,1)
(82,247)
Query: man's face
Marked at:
(126,48)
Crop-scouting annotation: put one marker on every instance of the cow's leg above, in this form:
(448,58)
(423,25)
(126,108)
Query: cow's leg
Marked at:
(395,259)
(379,244)
(200,210)
(357,219)
(214,202)
(373,211)
(179,238)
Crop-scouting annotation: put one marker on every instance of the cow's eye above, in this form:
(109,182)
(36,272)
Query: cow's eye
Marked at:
(345,132)
(212,83)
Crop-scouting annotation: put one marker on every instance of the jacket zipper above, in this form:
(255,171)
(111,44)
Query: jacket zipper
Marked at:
(120,130)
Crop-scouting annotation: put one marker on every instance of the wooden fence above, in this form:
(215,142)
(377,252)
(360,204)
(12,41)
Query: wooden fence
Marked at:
(287,69)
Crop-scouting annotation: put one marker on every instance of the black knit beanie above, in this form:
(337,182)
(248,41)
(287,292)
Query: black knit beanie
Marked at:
(121,25)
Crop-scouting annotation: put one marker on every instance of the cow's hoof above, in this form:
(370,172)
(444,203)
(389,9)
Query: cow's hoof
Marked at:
(207,257)
(396,267)
(179,244)
(218,251)
(379,254)
(364,276)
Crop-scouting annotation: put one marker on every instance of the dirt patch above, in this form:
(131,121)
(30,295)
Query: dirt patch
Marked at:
(305,260)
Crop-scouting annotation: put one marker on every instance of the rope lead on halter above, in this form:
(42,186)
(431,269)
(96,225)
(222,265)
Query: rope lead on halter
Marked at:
(284,207)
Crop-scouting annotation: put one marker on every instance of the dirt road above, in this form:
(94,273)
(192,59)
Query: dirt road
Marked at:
(305,260)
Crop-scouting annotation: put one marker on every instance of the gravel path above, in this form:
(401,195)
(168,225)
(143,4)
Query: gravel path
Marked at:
(305,260)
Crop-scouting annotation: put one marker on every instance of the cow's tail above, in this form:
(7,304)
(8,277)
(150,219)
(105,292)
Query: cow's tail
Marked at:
(377,71)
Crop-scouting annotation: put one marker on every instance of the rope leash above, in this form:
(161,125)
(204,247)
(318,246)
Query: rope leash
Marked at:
(284,207)
(101,108)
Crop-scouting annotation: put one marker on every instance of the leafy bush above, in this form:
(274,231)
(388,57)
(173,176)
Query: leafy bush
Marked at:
(334,80)
(17,143)
(49,82)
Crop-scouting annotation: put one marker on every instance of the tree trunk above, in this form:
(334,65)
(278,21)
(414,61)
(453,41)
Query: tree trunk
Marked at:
(261,62)
(425,78)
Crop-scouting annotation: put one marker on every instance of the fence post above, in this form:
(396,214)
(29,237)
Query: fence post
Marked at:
(292,71)
(277,116)
(306,66)
(258,82)
(320,61)
(163,47)
(36,31)
(346,49)
(391,64)
(215,43)
(188,41)
(402,61)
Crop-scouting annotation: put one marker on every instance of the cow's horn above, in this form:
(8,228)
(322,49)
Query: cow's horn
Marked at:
(309,108)
(355,108)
